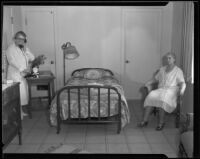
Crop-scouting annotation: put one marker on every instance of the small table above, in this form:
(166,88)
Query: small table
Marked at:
(45,78)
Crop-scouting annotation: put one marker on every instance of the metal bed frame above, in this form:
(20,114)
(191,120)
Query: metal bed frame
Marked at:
(110,119)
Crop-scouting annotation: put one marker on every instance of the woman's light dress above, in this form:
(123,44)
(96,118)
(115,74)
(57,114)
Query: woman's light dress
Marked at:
(17,62)
(166,95)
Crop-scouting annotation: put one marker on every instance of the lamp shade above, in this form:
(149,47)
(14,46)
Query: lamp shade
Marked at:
(69,51)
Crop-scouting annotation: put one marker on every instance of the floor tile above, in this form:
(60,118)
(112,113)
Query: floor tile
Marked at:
(171,155)
(15,141)
(44,147)
(172,138)
(95,139)
(74,139)
(41,124)
(171,130)
(76,128)
(140,148)
(136,139)
(54,138)
(161,148)
(35,138)
(115,138)
(156,138)
(133,131)
(96,130)
(95,148)
(117,148)
(175,146)
(11,148)
(28,148)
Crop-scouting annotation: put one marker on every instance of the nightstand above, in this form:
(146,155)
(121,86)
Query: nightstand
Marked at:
(45,78)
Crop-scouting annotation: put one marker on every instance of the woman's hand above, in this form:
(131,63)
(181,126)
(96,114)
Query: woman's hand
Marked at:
(182,88)
(148,86)
(25,72)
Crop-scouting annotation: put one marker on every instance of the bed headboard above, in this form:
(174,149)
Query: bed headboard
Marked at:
(85,69)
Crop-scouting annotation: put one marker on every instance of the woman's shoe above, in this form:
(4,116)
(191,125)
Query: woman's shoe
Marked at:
(142,124)
(160,126)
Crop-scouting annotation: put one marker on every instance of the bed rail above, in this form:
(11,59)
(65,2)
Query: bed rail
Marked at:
(99,119)
(84,69)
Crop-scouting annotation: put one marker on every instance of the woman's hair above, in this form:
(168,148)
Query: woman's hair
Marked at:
(172,54)
(20,33)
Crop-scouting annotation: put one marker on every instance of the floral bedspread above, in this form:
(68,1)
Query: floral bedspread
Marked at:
(77,81)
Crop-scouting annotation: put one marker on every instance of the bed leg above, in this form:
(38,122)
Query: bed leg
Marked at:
(119,128)
(58,129)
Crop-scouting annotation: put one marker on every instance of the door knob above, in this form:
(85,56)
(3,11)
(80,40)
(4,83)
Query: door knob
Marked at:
(127,61)
(52,62)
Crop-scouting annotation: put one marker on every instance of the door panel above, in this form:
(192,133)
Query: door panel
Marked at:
(142,48)
(39,26)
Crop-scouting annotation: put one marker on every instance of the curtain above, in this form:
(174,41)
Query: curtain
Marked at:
(187,47)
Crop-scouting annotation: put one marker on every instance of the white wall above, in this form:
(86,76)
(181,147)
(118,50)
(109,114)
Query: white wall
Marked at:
(95,32)
(17,24)
(166,29)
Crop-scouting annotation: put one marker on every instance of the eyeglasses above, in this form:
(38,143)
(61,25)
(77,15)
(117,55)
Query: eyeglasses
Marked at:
(19,39)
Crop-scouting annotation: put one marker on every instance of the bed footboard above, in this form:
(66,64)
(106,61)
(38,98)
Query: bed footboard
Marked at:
(90,119)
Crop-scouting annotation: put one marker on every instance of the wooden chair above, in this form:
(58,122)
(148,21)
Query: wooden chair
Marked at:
(176,112)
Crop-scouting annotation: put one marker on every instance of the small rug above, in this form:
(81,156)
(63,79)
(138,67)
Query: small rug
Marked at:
(62,148)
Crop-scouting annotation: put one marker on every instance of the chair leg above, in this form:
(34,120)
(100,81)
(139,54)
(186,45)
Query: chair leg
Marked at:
(154,111)
(182,152)
(177,120)
(119,126)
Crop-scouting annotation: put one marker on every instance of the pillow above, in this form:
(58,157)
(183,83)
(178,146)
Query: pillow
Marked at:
(106,73)
(78,74)
(93,74)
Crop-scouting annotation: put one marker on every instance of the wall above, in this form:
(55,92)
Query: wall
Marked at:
(17,24)
(95,32)
(166,38)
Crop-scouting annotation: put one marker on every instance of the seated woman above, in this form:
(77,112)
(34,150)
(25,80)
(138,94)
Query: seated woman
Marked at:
(170,83)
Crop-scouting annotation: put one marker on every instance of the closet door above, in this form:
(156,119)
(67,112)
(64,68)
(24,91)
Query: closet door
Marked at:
(142,36)
(39,26)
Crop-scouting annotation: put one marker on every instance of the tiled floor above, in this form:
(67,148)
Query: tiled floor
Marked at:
(99,138)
